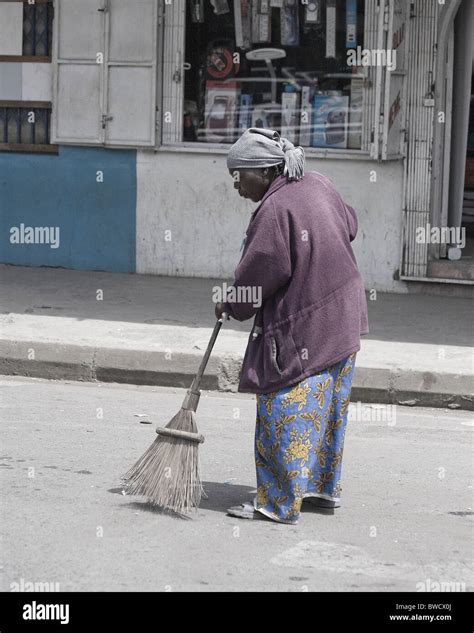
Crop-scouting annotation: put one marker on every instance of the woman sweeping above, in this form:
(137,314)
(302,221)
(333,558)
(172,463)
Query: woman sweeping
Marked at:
(301,352)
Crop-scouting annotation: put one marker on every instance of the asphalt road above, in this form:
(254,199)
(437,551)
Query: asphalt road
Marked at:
(406,520)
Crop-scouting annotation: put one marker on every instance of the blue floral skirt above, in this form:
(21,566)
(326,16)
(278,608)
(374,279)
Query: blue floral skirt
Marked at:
(299,440)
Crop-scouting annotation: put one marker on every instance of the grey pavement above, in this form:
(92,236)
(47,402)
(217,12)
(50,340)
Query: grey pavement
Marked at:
(405,523)
(143,329)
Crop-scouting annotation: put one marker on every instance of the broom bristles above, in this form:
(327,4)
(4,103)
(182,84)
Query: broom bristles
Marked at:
(168,472)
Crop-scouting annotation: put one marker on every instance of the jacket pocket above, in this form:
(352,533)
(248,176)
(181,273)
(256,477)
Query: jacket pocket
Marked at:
(280,359)
(275,355)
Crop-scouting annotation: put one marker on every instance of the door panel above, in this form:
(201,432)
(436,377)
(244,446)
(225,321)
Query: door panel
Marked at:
(81,29)
(131,106)
(127,19)
(78,103)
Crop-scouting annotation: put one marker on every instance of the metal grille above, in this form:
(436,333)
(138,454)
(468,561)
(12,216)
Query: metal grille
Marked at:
(370,42)
(37,29)
(173,87)
(421,67)
(24,125)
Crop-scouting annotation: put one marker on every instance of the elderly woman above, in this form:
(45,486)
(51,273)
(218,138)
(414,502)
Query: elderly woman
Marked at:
(301,352)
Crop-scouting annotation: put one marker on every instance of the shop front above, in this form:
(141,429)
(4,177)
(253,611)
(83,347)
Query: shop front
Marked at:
(330,76)
(358,83)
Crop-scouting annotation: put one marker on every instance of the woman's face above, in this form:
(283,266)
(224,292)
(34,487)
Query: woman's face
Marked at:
(251,183)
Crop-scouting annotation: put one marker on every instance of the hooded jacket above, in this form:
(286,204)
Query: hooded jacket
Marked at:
(298,257)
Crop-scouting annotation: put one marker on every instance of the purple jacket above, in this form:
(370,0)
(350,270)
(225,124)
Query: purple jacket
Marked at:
(313,311)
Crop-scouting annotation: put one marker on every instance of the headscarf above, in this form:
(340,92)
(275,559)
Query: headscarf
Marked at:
(258,148)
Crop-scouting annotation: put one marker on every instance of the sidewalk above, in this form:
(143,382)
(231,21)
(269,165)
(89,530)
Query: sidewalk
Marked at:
(153,330)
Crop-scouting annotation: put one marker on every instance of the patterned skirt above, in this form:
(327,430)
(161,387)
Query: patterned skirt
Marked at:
(299,440)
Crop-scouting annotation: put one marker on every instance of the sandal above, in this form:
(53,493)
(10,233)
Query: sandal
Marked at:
(244,511)
(323,505)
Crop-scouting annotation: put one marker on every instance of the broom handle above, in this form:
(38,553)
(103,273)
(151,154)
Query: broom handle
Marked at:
(192,397)
(202,366)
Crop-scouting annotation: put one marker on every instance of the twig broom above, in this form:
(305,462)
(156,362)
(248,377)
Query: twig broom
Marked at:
(168,472)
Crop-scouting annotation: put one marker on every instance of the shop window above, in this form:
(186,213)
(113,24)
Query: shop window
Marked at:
(280,64)
(25,126)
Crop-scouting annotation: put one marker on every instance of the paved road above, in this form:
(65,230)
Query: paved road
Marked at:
(152,330)
(407,499)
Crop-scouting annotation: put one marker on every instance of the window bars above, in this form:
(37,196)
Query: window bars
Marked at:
(24,126)
(37,29)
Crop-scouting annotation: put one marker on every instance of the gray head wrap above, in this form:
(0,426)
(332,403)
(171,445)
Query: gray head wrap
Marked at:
(258,148)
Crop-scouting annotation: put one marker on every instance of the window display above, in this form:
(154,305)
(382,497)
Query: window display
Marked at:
(280,64)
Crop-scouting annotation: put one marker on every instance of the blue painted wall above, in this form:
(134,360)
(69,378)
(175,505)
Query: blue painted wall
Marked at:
(97,221)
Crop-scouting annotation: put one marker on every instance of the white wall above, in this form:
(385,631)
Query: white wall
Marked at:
(20,81)
(191,194)
(37,82)
(11,28)
(26,81)
(10,81)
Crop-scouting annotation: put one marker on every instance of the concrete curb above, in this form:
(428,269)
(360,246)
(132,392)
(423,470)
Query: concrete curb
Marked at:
(72,362)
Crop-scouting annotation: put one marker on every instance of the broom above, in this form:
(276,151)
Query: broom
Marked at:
(168,472)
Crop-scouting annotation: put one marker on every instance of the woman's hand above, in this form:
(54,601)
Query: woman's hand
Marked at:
(219,311)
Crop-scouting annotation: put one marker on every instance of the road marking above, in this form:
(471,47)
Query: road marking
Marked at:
(350,559)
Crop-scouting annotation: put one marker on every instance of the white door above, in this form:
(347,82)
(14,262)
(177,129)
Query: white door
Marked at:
(130,108)
(105,72)
(79,42)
